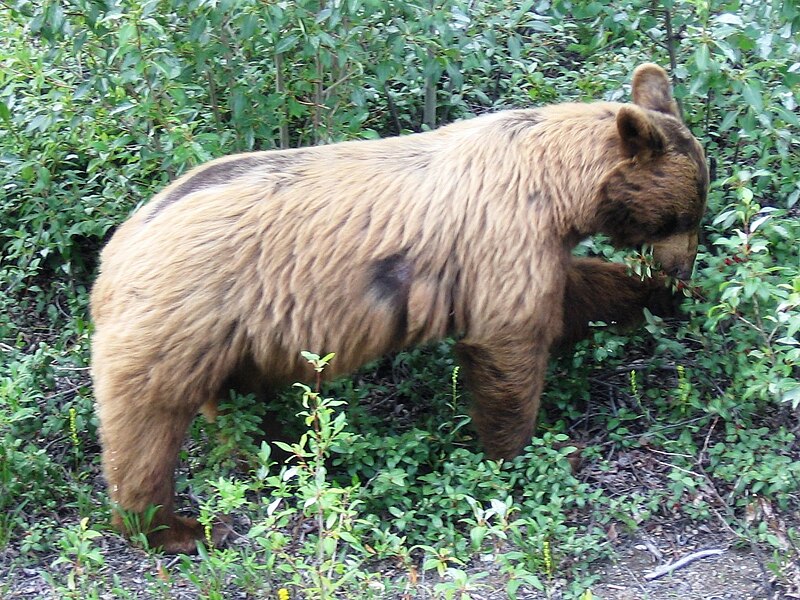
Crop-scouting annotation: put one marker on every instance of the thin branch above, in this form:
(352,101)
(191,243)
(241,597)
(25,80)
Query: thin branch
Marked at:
(212,96)
(661,571)
(392,108)
(429,108)
(341,80)
(280,89)
(317,115)
(670,44)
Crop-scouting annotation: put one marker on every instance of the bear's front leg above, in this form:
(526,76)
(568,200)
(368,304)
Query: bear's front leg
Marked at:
(505,376)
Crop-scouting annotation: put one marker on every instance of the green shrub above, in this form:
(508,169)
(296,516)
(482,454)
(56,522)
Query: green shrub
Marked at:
(103,102)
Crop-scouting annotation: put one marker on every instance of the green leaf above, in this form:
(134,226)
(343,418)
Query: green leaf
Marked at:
(249,27)
(324,14)
(729,53)
(125,33)
(198,27)
(701,57)
(787,116)
(753,97)
(729,19)
(514,46)
(540,26)
(729,120)
(286,44)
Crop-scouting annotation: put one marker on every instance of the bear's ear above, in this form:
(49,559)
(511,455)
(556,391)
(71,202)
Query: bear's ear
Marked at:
(640,134)
(651,89)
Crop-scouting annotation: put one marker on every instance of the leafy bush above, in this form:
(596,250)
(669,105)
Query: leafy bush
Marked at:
(103,102)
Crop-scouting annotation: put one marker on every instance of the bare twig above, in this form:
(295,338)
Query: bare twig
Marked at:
(280,88)
(212,96)
(671,50)
(317,115)
(429,107)
(702,455)
(392,108)
(664,570)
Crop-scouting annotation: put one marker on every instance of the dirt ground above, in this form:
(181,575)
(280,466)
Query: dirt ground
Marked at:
(735,574)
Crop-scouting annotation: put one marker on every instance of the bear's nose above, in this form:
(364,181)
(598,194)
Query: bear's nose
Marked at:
(680,272)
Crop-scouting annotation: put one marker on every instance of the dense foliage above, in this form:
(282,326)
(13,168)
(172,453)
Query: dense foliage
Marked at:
(102,102)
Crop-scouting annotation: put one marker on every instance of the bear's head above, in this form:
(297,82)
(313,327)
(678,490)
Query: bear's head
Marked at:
(657,193)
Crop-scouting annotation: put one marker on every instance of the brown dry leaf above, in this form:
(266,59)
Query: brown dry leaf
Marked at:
(161,572)
(611,533)
(413,576)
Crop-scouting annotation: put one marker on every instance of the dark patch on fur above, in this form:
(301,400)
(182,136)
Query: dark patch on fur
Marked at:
(279,185)
(683,144)
(703,176)
(520,121)
(287,312)
(676,224)
(685,223)
(702,183)
(622,226)
(222,173)
(666,228)
(411,160)
(391,282)
(597,290)
(400,331)
(638,137)
(213,175)
(419,161)
(451,307)
(627,230)
(472,356)
(367,222)
(390,276)
(680,140)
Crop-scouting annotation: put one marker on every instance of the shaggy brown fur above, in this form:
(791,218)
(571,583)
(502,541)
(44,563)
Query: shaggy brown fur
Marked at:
(601,291)
(367,247)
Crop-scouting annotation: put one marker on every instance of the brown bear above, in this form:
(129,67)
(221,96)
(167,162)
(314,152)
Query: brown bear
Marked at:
(365,247)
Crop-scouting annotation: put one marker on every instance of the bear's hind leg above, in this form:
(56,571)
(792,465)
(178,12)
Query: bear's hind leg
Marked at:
(141,442)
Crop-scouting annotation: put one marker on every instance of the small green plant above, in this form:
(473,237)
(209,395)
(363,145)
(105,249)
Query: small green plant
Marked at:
(330,507)
(138,525)
(234,433)
(78,550)
(460,584)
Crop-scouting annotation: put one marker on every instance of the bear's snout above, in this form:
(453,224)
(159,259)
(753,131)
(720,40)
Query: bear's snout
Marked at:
(676,254)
